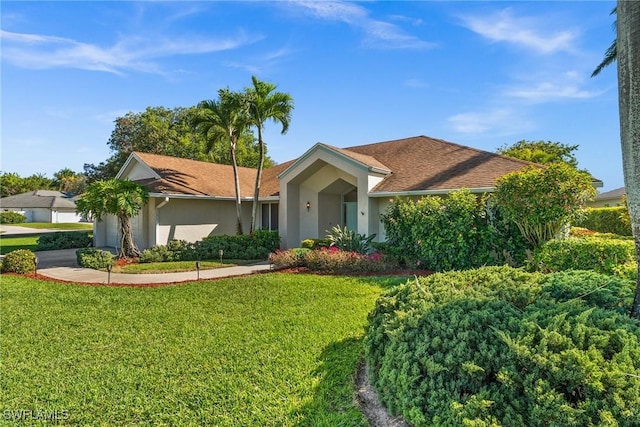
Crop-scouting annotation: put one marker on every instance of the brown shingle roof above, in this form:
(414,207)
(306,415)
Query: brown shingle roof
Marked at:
(417,164)
(421,163)
(192,177)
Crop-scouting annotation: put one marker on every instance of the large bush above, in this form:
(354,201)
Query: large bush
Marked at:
(585,253)
(606,220)
(542,201)
(19,261)
(455,232)
(64,240)
(330,260)
(10,217)
(498,346)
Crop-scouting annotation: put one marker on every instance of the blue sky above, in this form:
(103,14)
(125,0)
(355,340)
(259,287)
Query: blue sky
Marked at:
(483,74)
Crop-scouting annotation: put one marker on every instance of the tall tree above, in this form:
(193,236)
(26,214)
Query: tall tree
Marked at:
(611,53)
(124,199)
(169,132)
(542,152)
(223,122)
(265,104)
(628,55)
(11,183)
(69,181)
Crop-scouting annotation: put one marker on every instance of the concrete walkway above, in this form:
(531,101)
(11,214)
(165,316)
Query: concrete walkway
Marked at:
(7,230)
(87,275)
(62,265)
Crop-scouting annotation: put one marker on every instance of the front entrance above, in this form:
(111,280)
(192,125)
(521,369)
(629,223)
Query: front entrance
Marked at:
(351,215)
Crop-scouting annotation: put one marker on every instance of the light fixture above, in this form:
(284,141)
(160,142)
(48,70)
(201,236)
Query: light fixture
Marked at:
(109,268)
(221,253)
(308,206)
(35,266)
(198,270)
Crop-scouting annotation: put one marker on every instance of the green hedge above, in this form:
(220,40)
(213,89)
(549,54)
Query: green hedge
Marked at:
(498,346)
(10,217)
(257,245)
(584,253)
(64,240)
(606,220)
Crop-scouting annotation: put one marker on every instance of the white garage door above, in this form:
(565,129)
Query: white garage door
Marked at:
(66,217)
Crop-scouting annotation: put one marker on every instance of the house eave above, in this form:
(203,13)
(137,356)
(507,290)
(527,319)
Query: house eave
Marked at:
(201,197)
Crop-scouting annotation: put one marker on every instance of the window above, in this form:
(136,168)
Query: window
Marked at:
(270,216)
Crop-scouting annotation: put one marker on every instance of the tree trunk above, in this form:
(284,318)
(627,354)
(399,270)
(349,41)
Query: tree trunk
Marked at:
(128,247)
(628,51)
(256,194)
(237,185)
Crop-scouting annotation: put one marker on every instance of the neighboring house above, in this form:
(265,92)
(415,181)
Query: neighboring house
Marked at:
(609,198)
(304,197)
(43,206)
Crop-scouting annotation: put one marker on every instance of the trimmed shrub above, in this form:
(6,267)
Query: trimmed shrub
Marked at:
(94,258)
(586,253)
(606,220)
(499,346)
(10,217)
(64,240)
(258,245)
(290,258)
(19,261)
(172,251)
(335,260)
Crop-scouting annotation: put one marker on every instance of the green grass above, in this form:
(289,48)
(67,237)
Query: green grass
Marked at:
(8,244)
(58,226)
(177,266)
(269,349)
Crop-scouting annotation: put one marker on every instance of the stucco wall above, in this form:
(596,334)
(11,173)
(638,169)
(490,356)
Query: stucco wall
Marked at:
(192,220)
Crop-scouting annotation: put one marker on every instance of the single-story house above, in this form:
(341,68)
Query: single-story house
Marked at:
(609,198)
(301,198)
(43,206)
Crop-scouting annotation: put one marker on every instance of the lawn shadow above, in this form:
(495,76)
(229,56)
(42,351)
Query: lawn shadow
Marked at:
(333,401)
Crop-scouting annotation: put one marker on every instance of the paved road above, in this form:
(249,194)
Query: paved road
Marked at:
(7,230)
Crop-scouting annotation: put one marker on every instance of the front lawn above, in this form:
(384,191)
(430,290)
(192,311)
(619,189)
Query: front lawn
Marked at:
(270,349)
(8,244)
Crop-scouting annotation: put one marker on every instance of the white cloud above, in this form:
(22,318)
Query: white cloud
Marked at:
(379,34)
(415,83)
(554,87)
(500,121)
(37,51)
(531,33)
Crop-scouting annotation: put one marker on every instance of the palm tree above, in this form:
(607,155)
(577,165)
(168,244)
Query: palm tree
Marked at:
(224,121)
(628,54)
(124,199)
(265,104)
(611,53)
